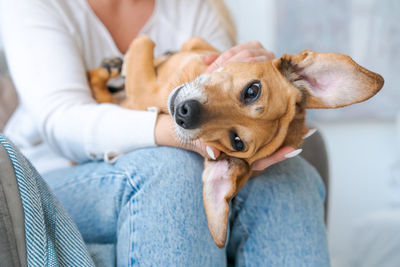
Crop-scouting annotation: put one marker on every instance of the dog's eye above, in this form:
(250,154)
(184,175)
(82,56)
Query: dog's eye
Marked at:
(236,142)
(251,92)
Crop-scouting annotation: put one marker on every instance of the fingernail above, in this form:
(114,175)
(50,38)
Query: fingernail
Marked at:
(210,152)
(293,153)
(309,133)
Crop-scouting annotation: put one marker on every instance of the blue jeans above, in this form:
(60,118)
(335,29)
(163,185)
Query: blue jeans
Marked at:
(149,203)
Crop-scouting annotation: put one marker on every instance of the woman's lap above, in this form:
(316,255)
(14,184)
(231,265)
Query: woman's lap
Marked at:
(154,198)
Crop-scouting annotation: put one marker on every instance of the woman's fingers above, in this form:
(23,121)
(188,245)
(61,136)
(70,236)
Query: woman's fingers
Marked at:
(210,58)
(209,151)
(278,156)
(246,52)
(212,152)
(205,150)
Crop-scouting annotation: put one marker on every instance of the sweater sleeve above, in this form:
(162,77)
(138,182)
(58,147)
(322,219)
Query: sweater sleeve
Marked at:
(49,72)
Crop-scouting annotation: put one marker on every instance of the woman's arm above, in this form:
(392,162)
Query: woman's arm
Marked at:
(48,70)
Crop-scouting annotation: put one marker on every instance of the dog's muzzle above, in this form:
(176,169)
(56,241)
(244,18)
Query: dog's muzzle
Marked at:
(188,114)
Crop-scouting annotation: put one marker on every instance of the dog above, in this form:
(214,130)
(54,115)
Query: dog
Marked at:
(246,110)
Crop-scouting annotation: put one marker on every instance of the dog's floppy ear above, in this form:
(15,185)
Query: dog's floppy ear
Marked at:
(329,80)
(222,179)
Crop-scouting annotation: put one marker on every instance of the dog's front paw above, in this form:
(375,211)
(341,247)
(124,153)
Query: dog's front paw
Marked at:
(113,65)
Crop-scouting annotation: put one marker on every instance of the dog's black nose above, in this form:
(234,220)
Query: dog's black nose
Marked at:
(188,114)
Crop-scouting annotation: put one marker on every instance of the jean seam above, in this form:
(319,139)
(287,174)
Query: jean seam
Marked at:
(240,224)
(134,186)
(238,205)
(130,251)
(242,202)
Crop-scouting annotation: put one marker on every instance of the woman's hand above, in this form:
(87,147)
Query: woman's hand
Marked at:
(165,136)
(247,52)
(280,155)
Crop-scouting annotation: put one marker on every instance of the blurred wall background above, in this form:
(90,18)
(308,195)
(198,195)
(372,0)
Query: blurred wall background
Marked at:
(363,140)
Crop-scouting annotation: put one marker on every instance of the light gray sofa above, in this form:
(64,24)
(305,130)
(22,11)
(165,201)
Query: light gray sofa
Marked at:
(8,99)
(12,232)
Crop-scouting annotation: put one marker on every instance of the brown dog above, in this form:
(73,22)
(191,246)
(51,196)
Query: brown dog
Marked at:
(246,110)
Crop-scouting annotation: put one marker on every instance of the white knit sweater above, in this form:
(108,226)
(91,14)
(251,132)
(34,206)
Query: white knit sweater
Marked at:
(50,44)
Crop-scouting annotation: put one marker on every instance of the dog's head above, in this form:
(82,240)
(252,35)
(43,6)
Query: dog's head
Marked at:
(250,110)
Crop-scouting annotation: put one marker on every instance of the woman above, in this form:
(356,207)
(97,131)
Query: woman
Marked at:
(148,201)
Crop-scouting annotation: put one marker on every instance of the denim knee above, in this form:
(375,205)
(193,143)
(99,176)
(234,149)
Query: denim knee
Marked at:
(290,178)
(278,215)
(174,169)
(290,189)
